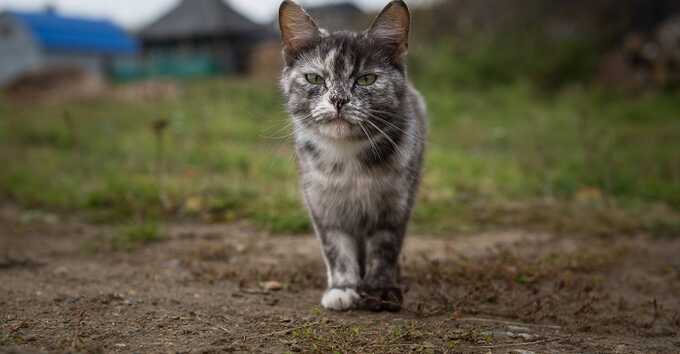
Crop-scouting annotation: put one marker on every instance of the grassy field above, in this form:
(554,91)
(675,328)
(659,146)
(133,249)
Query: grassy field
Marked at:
(504,156)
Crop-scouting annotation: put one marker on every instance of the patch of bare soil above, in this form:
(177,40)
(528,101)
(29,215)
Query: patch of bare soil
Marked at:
(230,288)
(55,84)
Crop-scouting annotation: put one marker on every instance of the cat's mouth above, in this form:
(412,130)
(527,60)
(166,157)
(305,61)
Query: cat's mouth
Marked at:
(337,128)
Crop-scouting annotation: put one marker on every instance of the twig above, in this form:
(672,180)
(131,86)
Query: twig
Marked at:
(222,328)
(159,127)
(254,291)
(489,320)
(283,331)
(7,262)
(509,345)
(428,346)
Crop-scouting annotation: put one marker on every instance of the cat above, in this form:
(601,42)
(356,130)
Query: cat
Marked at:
(359,129)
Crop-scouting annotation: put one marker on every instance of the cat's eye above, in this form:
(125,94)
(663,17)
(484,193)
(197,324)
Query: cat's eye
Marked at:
(314,79)
(367,80)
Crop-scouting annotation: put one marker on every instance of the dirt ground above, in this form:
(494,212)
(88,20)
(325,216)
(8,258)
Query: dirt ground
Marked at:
(215,289)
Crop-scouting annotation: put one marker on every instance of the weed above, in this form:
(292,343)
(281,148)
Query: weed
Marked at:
(129,237)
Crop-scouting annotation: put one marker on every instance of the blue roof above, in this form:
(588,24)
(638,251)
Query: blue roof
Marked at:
(71,34)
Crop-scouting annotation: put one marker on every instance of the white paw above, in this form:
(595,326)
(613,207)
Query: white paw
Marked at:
(339,299)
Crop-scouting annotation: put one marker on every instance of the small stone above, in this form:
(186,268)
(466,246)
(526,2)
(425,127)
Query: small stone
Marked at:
(271,285)
(61,271)
(518,329)
(526,336)
(621,348)
(522,351)
(120,345)
(503,334)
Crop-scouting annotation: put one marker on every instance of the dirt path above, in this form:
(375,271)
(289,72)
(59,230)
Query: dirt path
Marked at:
(200,291)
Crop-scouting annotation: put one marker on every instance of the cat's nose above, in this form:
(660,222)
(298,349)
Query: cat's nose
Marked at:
(339,101)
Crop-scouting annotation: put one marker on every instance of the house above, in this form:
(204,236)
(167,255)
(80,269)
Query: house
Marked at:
(335,17)
(339,16)
(32,41)
(201,37)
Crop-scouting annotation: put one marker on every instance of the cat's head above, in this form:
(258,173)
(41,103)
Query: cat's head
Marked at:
(345,85)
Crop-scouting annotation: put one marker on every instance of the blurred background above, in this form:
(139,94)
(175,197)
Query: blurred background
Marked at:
(558,116)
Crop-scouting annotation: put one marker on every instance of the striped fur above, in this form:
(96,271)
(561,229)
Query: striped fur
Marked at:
(359,148)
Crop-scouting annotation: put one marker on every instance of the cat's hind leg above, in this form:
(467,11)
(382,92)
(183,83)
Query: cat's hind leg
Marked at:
(380,288)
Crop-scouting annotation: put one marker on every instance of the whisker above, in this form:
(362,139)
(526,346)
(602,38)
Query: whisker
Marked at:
(392,125)
(396,147)
(374,148)
(275,135)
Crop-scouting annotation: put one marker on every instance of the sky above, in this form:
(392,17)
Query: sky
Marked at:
(136,13)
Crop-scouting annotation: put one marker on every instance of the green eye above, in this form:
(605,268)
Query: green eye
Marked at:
(314,79)
(367,80)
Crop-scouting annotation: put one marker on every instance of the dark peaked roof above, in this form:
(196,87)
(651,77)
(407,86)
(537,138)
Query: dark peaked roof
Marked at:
(337,16)
(196,18)
(340,9)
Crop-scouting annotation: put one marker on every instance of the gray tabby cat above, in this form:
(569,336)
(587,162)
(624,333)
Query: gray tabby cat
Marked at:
(359,130)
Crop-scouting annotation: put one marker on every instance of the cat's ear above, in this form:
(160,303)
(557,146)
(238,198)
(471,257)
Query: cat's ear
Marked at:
(392,26)
(298,29)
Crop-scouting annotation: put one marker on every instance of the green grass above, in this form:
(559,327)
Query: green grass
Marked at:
(127,237)
(508,155)
(132,236)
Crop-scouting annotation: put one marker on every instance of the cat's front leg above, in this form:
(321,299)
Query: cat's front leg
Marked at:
(341,253)
(380,288)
